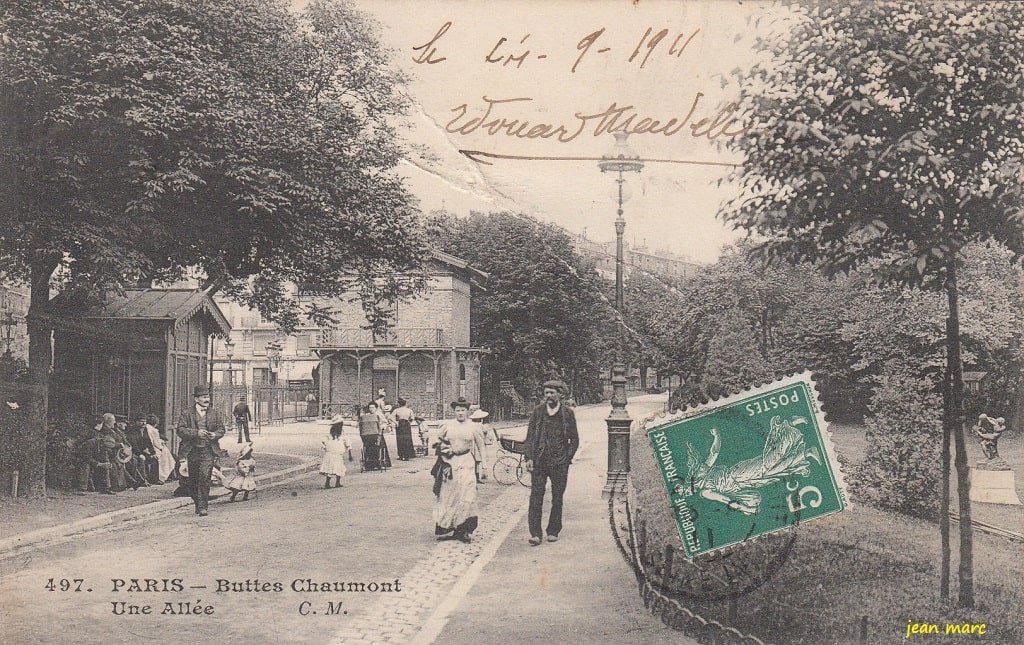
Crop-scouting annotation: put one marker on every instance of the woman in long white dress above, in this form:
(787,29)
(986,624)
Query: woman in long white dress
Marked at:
(165,460)
(455,476)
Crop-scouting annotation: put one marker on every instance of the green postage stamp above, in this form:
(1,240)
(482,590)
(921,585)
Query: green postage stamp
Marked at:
(754,463)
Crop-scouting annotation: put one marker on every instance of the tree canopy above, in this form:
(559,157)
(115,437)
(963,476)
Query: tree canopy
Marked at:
(890,136)
(889,133)
(543,313)
(234,138)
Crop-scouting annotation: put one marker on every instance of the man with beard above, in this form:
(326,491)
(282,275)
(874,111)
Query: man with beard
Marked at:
(551,442)
(200,429)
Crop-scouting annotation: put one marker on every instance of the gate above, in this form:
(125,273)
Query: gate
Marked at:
(276,404)
(223,398)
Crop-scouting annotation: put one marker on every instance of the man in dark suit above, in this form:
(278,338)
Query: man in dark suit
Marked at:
(242,418)
(200,429)
(551,442)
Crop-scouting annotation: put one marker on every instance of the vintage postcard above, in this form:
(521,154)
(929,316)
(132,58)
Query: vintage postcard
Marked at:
(443,321)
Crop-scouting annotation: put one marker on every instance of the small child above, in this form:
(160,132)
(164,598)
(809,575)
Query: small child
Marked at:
(243,478)
(333,462)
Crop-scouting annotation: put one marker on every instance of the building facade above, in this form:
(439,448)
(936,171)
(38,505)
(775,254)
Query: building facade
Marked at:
(601,256)
(426,358)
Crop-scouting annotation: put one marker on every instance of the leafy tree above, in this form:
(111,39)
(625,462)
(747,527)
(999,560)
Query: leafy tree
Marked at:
(890,136)
(734,362)
(542,313)
(234,140)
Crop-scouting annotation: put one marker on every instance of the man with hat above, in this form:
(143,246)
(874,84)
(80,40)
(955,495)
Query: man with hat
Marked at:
(242,418)
(200,429)
(551,442)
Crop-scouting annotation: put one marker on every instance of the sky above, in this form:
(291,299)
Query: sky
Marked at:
(683,59)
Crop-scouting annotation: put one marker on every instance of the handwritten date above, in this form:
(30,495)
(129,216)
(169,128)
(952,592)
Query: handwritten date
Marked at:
(505,53)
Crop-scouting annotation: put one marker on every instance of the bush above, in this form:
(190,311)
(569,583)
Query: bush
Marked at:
(902,469)
(62,442)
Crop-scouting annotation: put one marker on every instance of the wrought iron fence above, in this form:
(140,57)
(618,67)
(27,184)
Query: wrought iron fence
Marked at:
(660,600)
(275,404)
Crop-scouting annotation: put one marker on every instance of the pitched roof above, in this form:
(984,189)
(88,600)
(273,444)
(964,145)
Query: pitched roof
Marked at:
(461,264)
(177,305)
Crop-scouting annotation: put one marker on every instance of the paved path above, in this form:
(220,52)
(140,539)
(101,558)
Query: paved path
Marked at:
(374,537)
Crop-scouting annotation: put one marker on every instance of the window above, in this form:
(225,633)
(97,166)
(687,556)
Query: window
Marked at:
(302,344)
(260,341)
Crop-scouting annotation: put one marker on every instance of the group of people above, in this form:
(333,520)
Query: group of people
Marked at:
(113,457)
(374,420)
(551,442)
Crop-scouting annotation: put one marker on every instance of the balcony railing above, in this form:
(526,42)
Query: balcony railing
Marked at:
(403,337)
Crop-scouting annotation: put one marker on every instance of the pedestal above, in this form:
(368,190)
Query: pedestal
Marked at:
(994,487)
(619,424)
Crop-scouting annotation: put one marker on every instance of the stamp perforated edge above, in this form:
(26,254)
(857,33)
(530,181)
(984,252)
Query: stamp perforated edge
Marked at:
(660,419)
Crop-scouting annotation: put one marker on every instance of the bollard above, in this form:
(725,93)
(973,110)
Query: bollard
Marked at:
(863,629)
(14,483)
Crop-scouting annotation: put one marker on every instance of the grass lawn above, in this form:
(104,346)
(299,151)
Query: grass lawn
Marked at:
(862,562)
(852,446)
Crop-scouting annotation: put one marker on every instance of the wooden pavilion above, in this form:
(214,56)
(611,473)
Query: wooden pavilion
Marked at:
(140,352)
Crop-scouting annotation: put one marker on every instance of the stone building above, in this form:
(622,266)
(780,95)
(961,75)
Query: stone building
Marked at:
(601,256)
(426,359)
(13,309)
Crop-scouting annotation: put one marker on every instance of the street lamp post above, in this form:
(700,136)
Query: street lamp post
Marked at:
(620,159)
(274,351)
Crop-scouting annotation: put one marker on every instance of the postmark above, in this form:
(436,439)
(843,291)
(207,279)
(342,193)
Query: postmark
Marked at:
(752,464)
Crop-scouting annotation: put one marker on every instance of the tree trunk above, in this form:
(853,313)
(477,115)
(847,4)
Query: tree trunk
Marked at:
(643,377)
(947,424)
(31,443)
(963,484)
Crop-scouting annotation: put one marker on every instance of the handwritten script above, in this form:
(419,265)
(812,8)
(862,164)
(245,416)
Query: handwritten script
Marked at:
(512,115)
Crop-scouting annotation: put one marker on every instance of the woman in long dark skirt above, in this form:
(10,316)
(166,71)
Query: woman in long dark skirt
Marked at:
(403,433)
(371,431)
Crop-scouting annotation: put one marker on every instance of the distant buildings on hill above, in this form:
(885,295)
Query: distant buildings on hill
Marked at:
(601,256)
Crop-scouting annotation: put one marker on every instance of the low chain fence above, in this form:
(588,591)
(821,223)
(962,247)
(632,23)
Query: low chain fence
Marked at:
(657,597)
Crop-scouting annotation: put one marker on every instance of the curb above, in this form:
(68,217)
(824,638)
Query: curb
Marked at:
(11,545)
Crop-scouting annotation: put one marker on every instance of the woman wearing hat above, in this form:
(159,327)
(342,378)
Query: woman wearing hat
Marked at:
(403,417)
(371,431)
(455,510)
(483,460)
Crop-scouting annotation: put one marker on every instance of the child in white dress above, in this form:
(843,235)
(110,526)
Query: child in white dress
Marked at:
(242,479)
(333,462)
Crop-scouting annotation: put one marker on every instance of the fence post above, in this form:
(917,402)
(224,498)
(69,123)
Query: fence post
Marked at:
(863,629)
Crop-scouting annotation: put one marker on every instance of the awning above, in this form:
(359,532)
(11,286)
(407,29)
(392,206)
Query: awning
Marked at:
(302,370)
